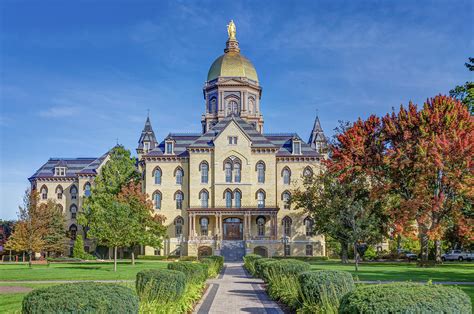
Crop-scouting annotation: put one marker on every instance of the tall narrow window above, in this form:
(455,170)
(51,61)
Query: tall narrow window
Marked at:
(286,174)
(237,172)
(178,226)
(204,172)
(228,199)
(308,223)
(228,172)
(238,199)
(261,172)
(157,200)
(204,226)
(157,175)
(296,147)
(179,176)
(286,221)
(286,199)
(73,210)
(87,189)
(261,226)
(59,192)
(179,200)
(261,199)
(169,147)
(204,199)
(44,193)
(73,191)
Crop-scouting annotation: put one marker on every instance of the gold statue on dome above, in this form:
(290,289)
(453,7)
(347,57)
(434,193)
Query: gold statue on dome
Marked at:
(231,29)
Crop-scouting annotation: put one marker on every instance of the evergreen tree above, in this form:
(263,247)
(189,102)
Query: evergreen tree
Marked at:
(78,249)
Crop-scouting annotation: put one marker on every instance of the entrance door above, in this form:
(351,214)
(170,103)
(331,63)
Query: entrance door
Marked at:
(233,229)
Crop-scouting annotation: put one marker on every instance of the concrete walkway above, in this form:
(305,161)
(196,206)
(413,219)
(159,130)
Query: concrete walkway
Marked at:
(235,291)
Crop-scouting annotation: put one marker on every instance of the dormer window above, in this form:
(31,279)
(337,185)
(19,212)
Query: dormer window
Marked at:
(60,171)
(169,149)
(296,147)
(146,146)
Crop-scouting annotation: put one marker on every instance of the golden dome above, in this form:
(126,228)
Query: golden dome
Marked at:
(232,64)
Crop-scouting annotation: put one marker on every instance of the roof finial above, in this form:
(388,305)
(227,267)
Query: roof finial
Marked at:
(148,113)
(231,30)
(232,44)
(317,112)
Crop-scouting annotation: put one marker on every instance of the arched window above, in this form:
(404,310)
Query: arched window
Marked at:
(44,192)
(157,199)
(204,226)
(232,107)
(228,199)
(237,171)
(157,174)
(286,174)
(87,189)
(179,199)
(238,198)
(308,172)
(308,223)
(228,172)
(261,226)
(178,226)
(286,221)
(179,173)
(261,172)
(73,191)
(73,232)
(59,192)
(260,199)
(251,105)
(204,197)
(204,167)
(285,197)
(73,210)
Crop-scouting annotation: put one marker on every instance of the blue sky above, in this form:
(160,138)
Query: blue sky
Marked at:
(76,76)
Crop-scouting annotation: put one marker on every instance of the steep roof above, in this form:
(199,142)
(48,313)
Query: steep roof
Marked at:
(73,167)
(284,141)
(147,135)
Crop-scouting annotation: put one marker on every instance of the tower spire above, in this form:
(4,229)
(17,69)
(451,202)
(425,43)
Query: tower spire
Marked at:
(147,139)
(317,139)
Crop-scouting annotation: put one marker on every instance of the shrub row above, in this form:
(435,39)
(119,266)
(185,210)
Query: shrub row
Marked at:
(90,297)
(249,262)
(195,272)
(152,257)
(406,298)
(304,258)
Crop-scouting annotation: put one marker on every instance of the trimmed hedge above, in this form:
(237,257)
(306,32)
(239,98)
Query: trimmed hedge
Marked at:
(288,267)
(188,258)
(259,264)
(196,273)
(319,286)
(304,258)
(152,257)
(90,297)
(249,262)
(406,298)
(163,284)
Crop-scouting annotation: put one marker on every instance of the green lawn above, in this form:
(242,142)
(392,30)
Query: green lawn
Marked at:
(82,271)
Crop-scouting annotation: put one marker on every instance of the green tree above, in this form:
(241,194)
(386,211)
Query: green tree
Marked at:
(78,249)
(465,93)
(55,238)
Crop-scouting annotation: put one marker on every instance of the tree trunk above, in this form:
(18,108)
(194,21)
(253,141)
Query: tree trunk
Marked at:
(133,256)
(29,259)
(344,253)
(424,247)
(438,251)
(399,243)
(23,257)
(115,258)
(356,257)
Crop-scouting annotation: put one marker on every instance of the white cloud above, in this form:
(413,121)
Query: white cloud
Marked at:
(59,112)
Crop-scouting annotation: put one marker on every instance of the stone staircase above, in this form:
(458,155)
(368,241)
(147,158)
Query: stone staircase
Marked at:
(233,251)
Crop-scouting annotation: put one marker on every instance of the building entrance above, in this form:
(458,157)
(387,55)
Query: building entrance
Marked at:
(233,229)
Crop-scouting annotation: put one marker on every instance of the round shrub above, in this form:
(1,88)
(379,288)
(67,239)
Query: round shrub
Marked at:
(196,273)
(259,264)
(249,262)
(406,298)
(288,267)
(89,297)
(325,286)
(163,284)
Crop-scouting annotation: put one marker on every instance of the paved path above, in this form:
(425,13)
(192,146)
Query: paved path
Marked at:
(235,291)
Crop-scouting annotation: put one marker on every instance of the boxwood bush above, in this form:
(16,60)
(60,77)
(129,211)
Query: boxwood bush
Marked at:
(326,287)
(196,273)
(259,264)
(287,267)
(90,297)
(406,298)
(163,284)
(249,262)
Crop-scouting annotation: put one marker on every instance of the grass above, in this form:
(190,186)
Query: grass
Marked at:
(76,271)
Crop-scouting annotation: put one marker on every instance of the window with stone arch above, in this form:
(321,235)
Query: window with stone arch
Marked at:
(251,105)
(204,168)
(204,197)
(59,192)
(73,232)
(260,168)
(238,198)
(285,197)
(44,192)
(179,174)
(157,197)
(232,107)
(73,191)
(157,174)
(179,197)
(260,196)
(308,172)
(237,171)
(309,225)
(178,226)
(87,189)
(228,171)
(286,222)
(73,210)
(213,105)
(261,226)
(204,223)
(228,198)
(286,175)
